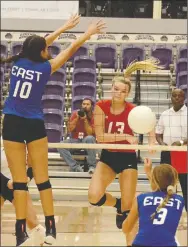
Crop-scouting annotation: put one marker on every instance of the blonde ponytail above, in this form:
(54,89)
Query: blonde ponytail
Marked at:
(147,65)
(170,192)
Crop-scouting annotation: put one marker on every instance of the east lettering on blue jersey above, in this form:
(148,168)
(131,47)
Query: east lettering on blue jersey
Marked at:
(27,83)
(160,231)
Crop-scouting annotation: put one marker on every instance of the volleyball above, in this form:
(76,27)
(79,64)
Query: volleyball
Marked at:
(141,119)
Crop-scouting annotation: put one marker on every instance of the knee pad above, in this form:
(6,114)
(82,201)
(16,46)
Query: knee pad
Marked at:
(100,202)
(44,186)
(20,186)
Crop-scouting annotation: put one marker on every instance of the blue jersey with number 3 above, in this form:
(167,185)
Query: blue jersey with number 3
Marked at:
(27,83)
(160,231)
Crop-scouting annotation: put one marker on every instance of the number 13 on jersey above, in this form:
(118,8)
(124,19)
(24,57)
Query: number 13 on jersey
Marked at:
(118,125)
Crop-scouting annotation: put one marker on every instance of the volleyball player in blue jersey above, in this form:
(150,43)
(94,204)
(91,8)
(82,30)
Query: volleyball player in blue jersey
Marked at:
(23,125)
(159,212)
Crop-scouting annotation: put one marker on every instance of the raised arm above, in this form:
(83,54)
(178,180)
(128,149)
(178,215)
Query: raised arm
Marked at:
(148,168)
(63,56)
(72,22)
(99,126)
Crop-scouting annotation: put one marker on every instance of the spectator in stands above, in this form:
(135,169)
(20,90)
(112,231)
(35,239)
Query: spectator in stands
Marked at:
(172,130)
(81,130)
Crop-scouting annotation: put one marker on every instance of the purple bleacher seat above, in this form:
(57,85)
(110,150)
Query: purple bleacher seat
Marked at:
(55,88)
(16,47)
(183,51)
(164,54)
(84,62)
(84,75)
(84,89)
(54,49)
(82,51)
(184,88)
(52,102)
(53,116)
(54,132)
(181,65)
(4,49)
(106,54)
(130,53)
(77,101)
(59,75)
(181,79)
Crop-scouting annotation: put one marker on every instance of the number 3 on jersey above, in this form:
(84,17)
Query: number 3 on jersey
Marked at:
(121,126)
(161,216)
(25,89)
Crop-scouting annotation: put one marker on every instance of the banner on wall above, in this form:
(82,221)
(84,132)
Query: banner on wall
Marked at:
(104,38)
(39,9)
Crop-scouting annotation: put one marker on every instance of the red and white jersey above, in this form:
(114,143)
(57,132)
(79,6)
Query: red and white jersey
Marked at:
(179,161)
(117,123)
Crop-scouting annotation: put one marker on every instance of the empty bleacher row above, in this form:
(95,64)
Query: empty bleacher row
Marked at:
(112,55)
(81,76)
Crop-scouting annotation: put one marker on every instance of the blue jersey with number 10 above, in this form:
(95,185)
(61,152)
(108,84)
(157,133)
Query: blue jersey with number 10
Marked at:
(27,83)
(160,231)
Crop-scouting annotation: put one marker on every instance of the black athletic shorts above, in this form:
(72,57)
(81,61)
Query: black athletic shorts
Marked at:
(19,129)
(165,157)
(119,161)
(5,192)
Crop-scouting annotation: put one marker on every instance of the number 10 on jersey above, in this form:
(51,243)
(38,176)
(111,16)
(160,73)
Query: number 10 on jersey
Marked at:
(25,89)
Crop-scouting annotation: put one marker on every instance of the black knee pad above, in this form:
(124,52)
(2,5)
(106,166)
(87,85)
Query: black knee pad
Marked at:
(44,186)
(20,186)
(100,202)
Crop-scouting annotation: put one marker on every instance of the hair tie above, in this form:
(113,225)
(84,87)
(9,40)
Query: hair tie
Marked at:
(171,188)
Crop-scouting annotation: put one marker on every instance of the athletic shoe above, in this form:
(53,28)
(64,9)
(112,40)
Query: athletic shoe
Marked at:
(119,215)
(77,168)
(119,220)
(37,235)
(49,240)
(50,232)
(23,240)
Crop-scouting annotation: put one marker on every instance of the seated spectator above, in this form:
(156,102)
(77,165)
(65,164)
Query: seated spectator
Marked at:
(81,130)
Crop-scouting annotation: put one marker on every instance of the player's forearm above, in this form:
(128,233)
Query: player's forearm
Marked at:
(53,36)
(148,174)
(64,55)
(151,137)
(79,42)
(106,137)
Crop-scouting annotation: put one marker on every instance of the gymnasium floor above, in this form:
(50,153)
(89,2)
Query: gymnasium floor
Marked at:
(79,224)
